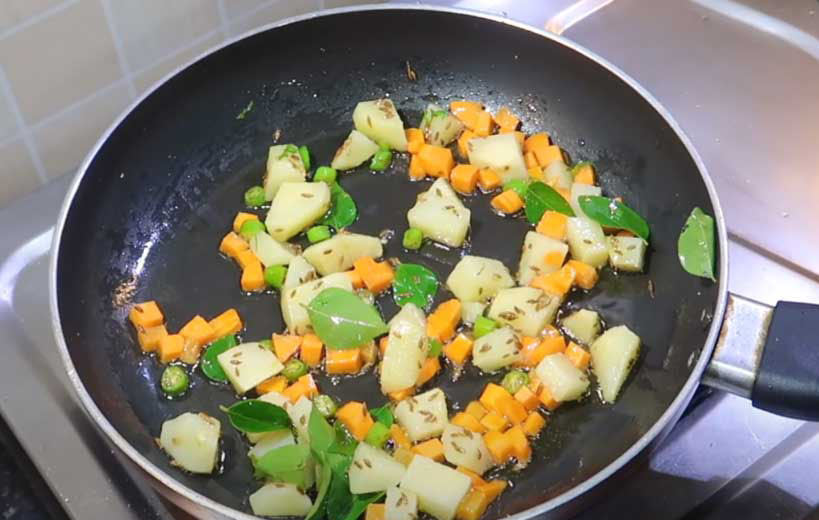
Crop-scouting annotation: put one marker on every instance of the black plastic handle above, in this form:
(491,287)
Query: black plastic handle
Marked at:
(787,382)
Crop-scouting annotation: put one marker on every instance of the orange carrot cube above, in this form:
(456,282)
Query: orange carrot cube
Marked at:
(488,180)
(464,178)
(553,225)
(232,245)
(146,315)
(508,202)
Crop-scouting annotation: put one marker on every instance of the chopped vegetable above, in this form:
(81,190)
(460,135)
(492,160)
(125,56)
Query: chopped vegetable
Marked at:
(210,365)
(311,350)
(463,146)
(348,361)
(526,309)
(696,245)
(268,250)
(400,504)
(557,283)
(192,441)
(373,470)
(440,215)
(254,196)
(613,355)
(284,165)
(468,422)
(614,214)
(415,138)
(170,347)
(435,348)
(439,488)
(488,179)
(533,424)
(355,150)
(476,278)
(439,126)
(436,160)
(540,255)
(146,314)
(583,173)
(519,186)
(325,174)
(286,345)
(579,357)
(495,350)
(499,445)
(413,238)
(226,323)
(325,405)
(423,416)
(506,120)
(342,320)
(563,380)
(441,324)
(406,350)
(583,325)
(429,369)
(381,160)
(275,384)
(340,252)
(432,449)
(514,380)
(377,276)
(484,326)
(500,153)
(378,435)
(294,301)
(149,338)
(415,284)
(247,365)
(416,169)
(587,243)
(174,381)
(553,225)
(279,499)
(626,253)
(274,275)
(296,206)
(304,154)
(232,245)
(541,198)
(464,178)
(379,120)
(318,234)
(294,369)
(356,418)
(508,202)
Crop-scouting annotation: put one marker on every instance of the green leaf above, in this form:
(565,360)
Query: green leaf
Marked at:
(414,283)
(285,464)
(383,414)
(343,210)
(540,198)
(343,320)
(321,434)
(323,485)
(611,213)
(210,365)
(360,503)
(255,416)
(696,245)
(339,499)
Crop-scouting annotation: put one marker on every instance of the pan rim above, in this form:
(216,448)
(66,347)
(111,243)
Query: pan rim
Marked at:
(654,433)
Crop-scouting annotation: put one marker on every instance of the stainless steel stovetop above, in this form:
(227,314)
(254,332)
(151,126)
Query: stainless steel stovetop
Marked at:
(741,78)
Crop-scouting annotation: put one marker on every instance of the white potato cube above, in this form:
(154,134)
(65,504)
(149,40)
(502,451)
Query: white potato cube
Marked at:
(295,299)
(296,206)
(440,214)
(338,253)
(467,449)
(299,271)
(400,504)
(496,350)
(299,413)
(627,253)
(282,167)
(558,175)
(270,441)
(540,255)
(477,279)
(192,441)
(563,380)
(471,311)
(583,325)
(587,242)
(355,150)
(269,251)
(406,350)
(579,190)
(526,309)
(424,415)
(439,488)
(440,127)
(502,153)
(612,356)
(248,364)
(373,470)
(379,120)
(279,499)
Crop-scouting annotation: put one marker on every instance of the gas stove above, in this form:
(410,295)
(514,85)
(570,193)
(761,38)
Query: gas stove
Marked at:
(741,80)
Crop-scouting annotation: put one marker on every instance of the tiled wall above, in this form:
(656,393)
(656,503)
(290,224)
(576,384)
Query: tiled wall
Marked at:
(69,67)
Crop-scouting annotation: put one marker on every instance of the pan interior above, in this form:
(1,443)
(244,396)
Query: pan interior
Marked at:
(156,199)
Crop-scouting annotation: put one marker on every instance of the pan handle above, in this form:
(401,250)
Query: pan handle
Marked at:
(769,355)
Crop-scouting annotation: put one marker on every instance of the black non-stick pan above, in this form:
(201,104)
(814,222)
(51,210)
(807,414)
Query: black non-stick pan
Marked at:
(145,215)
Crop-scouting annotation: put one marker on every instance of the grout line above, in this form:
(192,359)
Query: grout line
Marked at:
(50,118)
(119,48)
(25,133)
(223,17)
(191,44)
(255,11)
(36,18)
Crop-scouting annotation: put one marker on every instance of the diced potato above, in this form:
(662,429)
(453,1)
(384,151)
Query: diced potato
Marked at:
(612,356)
(587,242)
(294,299)
(406,350)
(471,311)
(338,253)
(379,120)
(579,190)
(501,153)
(282,167)
(248,364)
(279,499)
(373,470)
(496,350)
(400,504)
(533,259)
(355,150)
(296,206)
(424,415)
(269,250)
(299,271)
(299,413)
(440,214)
(583,325)
(270,441)
(439,488)
(563,380)
(467,449)
(477,278)
(558,175)
(192,441)
(440,127)
(627,253)
(526,309)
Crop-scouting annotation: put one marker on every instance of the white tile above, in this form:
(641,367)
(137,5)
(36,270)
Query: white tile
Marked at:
(8,124)
(236,8)
(271,13)
(13,12)
(153,74)
(18,176)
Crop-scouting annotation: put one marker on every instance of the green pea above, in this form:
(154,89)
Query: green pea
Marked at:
(483,326)
(274,275)
(377,435)
(435,348)
(304,153)
(289,150)
(325,174)
(519,186)
(514,380)
(294,369)
(381,160)
(318,234)
(174,380)
(413,238)
(325,405)
(254,197)
(250,228)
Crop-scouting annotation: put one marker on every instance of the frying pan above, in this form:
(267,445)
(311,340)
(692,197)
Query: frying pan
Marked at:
(144,217)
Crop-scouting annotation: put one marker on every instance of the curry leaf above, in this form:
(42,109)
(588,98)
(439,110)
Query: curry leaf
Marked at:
(360,503)
(614,214)
(210,365)
(324,478)
(540,198)
(321,434)
(255,416)
(343,210)
(343,320)
(696,244)
(383,414)
(285,464)
(414,284)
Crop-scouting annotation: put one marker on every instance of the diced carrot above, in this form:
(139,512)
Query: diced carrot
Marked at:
(463,142)
(535,384)
(149,338)
(436,160)
(346,361)
(553,225)
(506,120)
(232,244)
(579,357)
(482,125)
(527,398)
(493,488)
(312,350)
(400,395)
(241,218)
(499,445)
(513,410)
(547,399)
(465,420)
(625,233)
(459,107)
(473,505)
(585,174)
(493,421)
(285,345)
(356,418)
(536,142)
(476,409)
(403,455)
(170,347)
(552,342)
(433,448)
(246,258)
(226,323)
(464,178)
(415,138)
(520,444)
(382,345)
(530,160)
(416,169)
(527,345)
(355,278)
(198,330)
(253,277)
(399,437)
(376,512)
(493,397)
(459,349)
(476,479)
(508,202)
(146,314)
(377,276)
(533,424)
(272,384)
(304,386)
(442,322)
(554,258)
(557,283)
(488,180)
(585,275)
(535,172)
(430,368)
(548,155)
